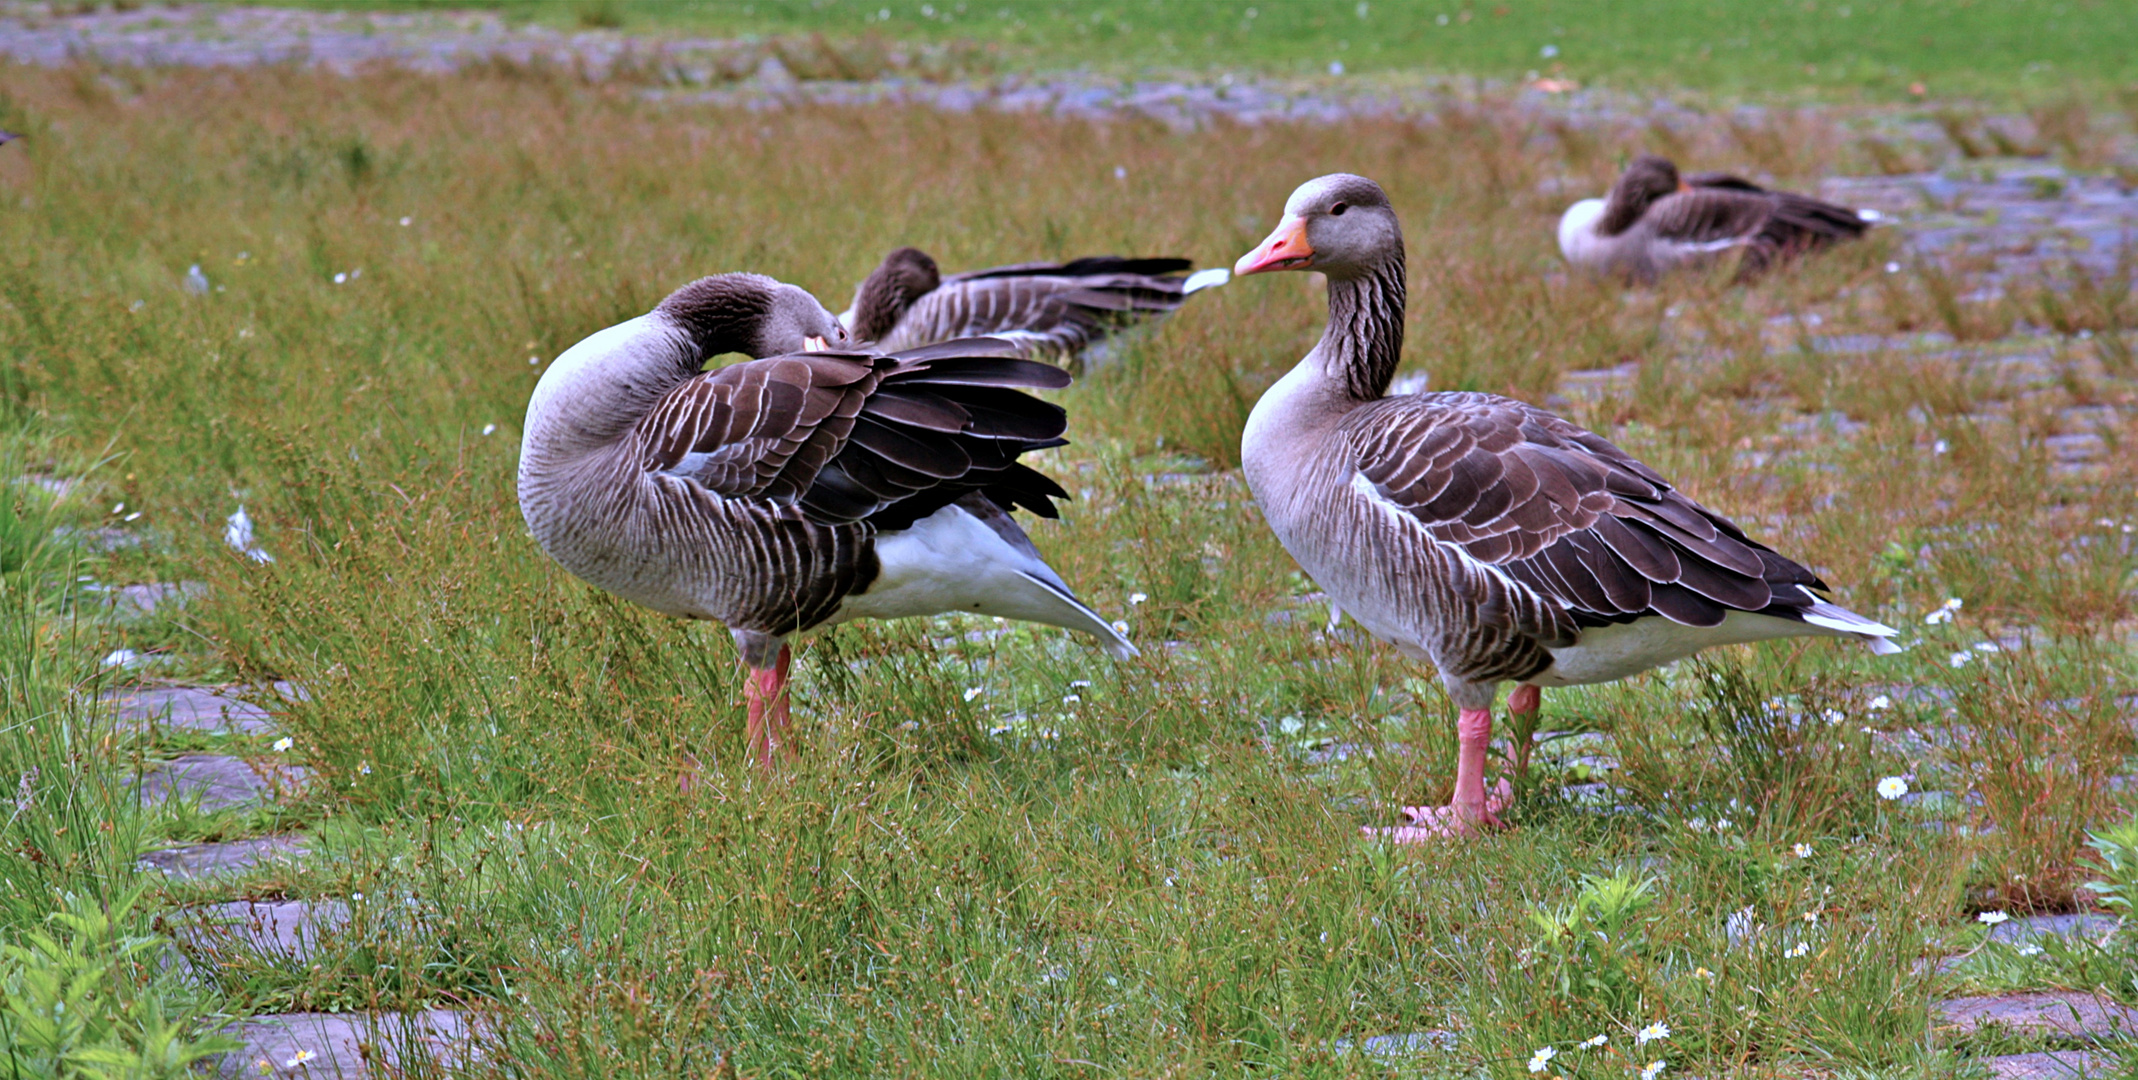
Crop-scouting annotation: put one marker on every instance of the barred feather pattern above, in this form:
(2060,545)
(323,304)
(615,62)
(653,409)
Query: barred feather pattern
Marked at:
(1529,529)
(1649,217)
(1048,310)
(753,494)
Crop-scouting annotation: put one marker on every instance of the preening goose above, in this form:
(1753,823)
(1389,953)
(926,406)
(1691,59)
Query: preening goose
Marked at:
(1494,539)
(795,491)
(1653,222)
(1056,311)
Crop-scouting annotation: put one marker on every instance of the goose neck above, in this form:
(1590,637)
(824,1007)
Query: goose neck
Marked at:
(1364,339)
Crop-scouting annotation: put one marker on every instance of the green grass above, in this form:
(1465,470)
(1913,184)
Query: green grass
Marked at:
(1164,875)
(1955,47)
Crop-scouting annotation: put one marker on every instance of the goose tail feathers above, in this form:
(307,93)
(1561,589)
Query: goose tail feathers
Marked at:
(1841,620)
(1205,279)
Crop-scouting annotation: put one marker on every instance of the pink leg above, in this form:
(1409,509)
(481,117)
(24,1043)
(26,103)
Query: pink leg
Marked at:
(765,695)
(1471,809)
(1522,706)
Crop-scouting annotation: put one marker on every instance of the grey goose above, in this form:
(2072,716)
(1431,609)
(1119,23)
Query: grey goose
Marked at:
(1057,311)
(798,490)
(1654,222)
(1494,539)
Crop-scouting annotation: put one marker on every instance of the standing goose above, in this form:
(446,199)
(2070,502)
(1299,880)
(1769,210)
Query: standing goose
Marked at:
(1494,539)
(1055,311)
(796,491)
(1653,222)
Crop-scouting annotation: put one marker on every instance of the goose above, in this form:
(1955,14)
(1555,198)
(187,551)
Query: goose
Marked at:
(795,491)
(1492,538)
(1653,222)
(1063,311)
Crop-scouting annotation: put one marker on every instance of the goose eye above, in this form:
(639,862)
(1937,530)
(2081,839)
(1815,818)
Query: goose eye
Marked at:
(1338,209)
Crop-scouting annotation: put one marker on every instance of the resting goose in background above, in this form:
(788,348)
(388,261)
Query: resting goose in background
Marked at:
(1056,311)
(796,491)
(1653,222)
(1492,538)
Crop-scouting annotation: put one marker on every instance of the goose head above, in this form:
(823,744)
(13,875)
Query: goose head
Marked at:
(753,315)
(1647,180)
(1340,224)
(904,276)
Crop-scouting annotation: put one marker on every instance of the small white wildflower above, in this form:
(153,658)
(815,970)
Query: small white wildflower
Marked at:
(119,509)
(1548,51)
(1594,1041)
(341,278)
(407,221)
(284,743)
(1799,949)
(1291,725)
(363,768)
(358,897)
(1878,703)
(534,361)
(1992,918)
(1649,1034)
(2028,949)
(1940,447)
(1833,716)
(1080,684)
(972,692)
(1135,598)
(1541,1060)
(1811,917)
(1960,659)
(1803,851)
(1654,1069)
(299,1058)
(1988,646)
(1698,973)
(1072,699)
(1892,268)
(489,429)
(1120,172)
(1892,787)
(1120,627)
(1336,67)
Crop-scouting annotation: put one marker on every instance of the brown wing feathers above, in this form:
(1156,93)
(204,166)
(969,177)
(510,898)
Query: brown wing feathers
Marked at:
(853,437)
(1565,513)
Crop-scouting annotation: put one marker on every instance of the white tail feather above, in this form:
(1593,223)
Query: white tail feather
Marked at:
(1205,279)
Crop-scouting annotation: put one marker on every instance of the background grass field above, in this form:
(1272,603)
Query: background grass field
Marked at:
(1955,47)
(1003,855)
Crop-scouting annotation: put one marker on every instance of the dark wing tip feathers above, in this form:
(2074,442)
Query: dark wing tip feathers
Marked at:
(1571,516)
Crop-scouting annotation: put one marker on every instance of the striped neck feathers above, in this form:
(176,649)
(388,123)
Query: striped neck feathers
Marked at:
(1364,340)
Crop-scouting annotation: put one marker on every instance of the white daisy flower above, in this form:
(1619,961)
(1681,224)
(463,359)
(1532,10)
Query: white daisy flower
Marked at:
(1803,851)
(1892,787)
(1654,1069)
(284,743)
(1992,918)
(1649,1034)
(1541,1060)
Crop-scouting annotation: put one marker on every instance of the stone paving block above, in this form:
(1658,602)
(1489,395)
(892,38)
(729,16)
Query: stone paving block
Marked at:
(317,1046)
(2064,1011)
(2036,927)
(193,708)
(219,781)
(276,929)
(2051,1065)
(232,857)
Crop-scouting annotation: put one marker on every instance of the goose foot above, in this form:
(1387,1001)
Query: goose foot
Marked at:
(1453,820)
(1471,810)
(769,727)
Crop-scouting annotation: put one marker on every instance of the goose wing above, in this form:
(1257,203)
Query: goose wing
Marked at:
(1556,528)
(855,436)
(1773,223)
(1047,308)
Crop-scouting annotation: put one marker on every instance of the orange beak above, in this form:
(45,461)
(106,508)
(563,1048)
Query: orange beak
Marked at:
(1286,249)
